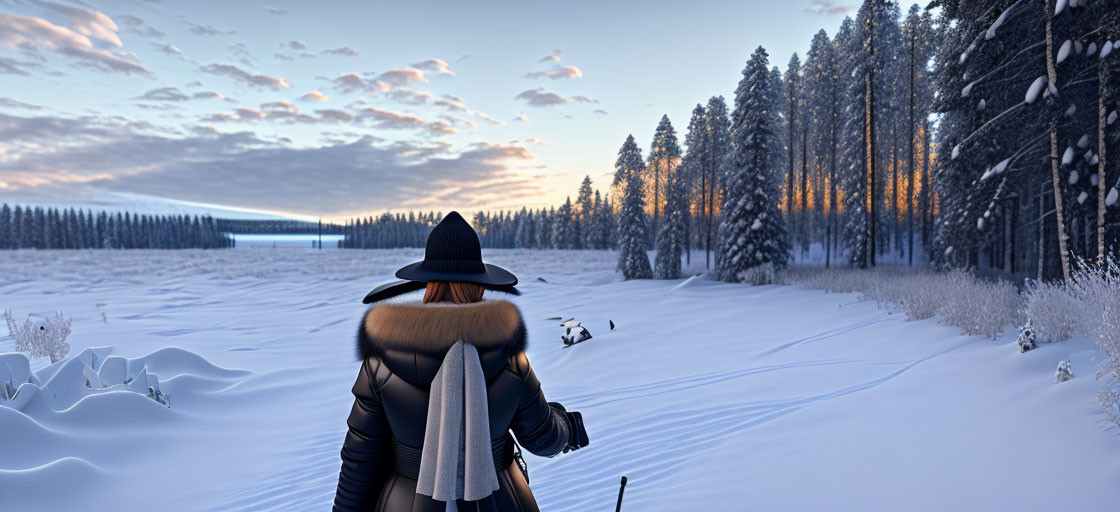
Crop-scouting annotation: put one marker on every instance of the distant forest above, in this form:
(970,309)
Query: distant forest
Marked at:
(276,227)
(51,228)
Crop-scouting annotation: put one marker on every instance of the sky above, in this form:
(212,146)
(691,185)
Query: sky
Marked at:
(338,109)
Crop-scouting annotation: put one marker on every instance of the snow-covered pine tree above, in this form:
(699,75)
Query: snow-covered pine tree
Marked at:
(585,211)
(792,108)
(714,162)
(752,231)
(670,239)
(633,261)
(6,238)
(823,98)
(563,233)
(664,157)
(867,86)
(696,188)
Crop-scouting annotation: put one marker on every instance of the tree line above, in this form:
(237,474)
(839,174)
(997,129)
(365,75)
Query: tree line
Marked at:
(54,228)
(588,223)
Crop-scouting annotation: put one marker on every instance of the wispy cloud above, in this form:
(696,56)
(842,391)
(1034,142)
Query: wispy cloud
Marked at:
(828,8)
(35,34)
(553,57)
(11,103)
(274,10)
(539,97)
(208,30)
(236,73)
(435,66)
(345,51)
(139,26)
(163,94)
(557,73)
(315,96)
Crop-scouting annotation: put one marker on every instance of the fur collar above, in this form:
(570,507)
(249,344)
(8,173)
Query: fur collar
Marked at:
(433,327)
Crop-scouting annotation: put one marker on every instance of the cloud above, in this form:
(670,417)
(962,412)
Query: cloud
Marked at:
(539,97)
(553,57)
(87,22)
(240,53)
(344,51)
(350,82)
(599,111)
(274,10)
(295,45)
(521,118)
(239,74)
(208,30)
(242,169)
(828,8)
(409,96)
(435,66)
(163,94)
(207,95)
(34,34)
(169,49)
(11,103)
(557,73)
(455,103)
(402,77)
(315,96)
(13,67)
(138,26)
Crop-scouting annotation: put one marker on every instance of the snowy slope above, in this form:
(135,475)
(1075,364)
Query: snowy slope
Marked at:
(708,396)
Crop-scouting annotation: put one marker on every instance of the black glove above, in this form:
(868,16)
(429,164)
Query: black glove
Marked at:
(577,434)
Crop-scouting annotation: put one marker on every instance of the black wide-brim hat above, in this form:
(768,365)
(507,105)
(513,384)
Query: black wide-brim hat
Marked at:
(452,253)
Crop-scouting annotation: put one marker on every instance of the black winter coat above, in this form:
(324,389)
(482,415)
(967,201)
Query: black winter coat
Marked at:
(402,347)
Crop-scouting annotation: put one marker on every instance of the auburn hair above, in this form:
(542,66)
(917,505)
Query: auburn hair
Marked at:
(458,292)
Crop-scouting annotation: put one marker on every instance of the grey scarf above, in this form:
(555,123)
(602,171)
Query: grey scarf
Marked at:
(457,462)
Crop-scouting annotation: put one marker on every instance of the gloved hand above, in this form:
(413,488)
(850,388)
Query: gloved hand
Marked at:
(577,433)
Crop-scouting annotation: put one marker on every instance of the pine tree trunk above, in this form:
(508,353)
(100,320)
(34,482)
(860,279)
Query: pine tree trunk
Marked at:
(804,188)
(1041,232)
(792,118)
(910,182)
(1102,144)
(707,217)
(869,141)
(1052,75)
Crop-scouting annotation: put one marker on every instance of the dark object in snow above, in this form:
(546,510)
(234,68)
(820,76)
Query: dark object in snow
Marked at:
(541,279)
(1064,372)
(569,323)
(612,324)
(552,318)
(1026,339)
(576,334)
(621,489)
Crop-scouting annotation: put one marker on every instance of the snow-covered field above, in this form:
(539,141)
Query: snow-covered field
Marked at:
(708,396)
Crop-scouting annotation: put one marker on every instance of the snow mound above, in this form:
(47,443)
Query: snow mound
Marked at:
(67,422)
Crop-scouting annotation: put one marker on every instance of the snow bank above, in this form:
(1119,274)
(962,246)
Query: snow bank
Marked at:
(55,421)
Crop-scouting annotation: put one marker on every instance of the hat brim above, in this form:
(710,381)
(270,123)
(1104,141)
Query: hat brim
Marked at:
(493,276)
(395,288)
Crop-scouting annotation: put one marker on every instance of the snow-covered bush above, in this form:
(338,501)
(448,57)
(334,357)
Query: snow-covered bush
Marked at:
(46,338)
(760,275)
(1064,372)
(1026,338)
(1054,310)
(1102,286)
(978,306)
